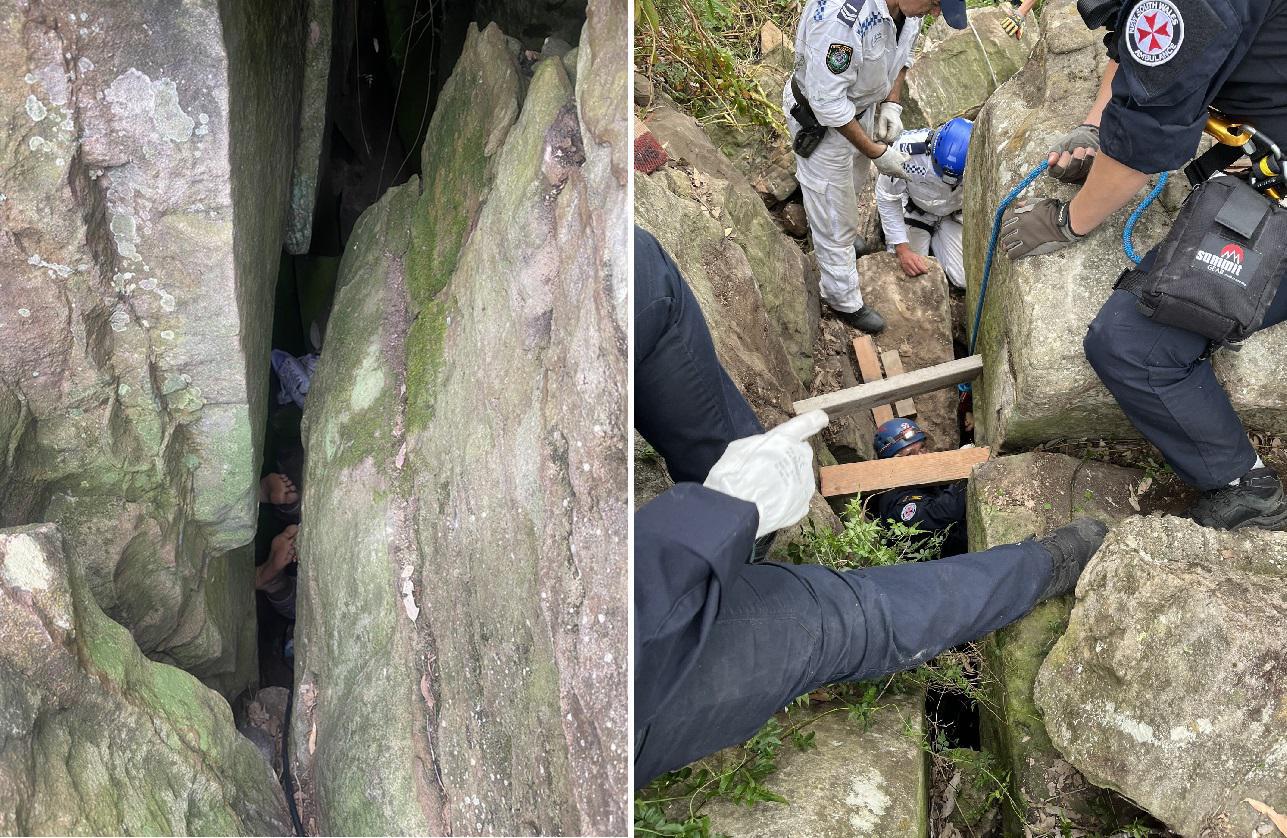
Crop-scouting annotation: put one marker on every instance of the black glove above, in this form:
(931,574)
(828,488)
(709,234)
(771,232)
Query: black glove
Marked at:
(1036,229)
(1071,168)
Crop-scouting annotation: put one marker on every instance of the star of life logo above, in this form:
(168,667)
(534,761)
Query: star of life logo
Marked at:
(1227,263)
(908,513)
(1154,32)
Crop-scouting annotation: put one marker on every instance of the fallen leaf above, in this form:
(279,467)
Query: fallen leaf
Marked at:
(312,739)
(1276,819)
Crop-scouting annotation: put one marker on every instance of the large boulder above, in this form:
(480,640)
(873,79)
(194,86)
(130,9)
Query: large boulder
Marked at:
(1170,684)
(868,778)
(1036,384)
(313,125)
(461,647)
(957,71)
(99,740)
(1010,499)
(144,198)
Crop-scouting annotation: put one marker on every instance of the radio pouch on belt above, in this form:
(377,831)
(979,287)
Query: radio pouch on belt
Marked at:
(1217,270)
(811,131)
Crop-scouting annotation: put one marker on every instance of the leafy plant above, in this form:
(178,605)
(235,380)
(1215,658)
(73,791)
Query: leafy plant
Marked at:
(865,543)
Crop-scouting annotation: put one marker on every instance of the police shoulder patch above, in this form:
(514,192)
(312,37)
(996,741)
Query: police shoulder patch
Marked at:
(1154,32)
(908,513)
(838,57)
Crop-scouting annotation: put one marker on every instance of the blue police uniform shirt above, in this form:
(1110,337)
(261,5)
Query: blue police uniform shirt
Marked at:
(1175,58)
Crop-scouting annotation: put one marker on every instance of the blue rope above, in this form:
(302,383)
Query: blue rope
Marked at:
(1128,232)
(992,248)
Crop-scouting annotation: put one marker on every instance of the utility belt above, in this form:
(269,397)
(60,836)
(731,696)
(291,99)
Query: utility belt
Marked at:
(1218,269)
(811,130)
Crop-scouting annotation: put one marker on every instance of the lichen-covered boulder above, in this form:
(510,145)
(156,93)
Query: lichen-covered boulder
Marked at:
(1036,383)
(869,779)
(142,204)
(758,291)
(957,71)
(99,740)
(1010,499)
(313,125)
(1169,684)
(461,647)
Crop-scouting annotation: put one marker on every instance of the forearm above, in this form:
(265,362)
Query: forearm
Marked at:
(1105,93)
(853,132)
(891,220)
(896,92)
(1108,188)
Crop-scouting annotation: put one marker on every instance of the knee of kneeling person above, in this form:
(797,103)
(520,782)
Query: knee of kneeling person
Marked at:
(1106,351)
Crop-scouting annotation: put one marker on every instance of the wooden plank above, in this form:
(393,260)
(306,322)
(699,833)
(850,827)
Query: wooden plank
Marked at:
(889,390)
(869,369)
(893,363)
(915,470)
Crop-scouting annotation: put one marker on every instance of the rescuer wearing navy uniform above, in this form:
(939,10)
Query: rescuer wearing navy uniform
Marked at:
(931,508)
(1171,59)
(721,643)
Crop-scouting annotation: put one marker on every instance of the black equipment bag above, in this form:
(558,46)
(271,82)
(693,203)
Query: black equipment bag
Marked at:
(811,131)
(1217,270)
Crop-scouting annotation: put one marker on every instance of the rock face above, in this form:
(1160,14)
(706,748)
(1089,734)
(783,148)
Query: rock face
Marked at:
(872,782)
(461,645)
(1012,498)
(918,325)
(97,738)
(140,232)
(1169,684)
(1036,383)
(957,71)
(312,125)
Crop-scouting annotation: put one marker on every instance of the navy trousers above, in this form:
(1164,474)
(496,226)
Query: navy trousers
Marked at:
(1169,392)
(742,640)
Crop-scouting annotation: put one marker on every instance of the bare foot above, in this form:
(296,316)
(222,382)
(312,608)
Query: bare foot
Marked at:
(268,576)
(277,489)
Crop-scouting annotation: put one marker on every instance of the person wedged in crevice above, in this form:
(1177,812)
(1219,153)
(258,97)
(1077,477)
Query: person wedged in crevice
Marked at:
(722,643)
(933,509)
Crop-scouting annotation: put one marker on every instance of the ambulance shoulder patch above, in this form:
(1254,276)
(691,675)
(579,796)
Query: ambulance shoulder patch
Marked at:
(1154,32)
(908,513)
(838,57)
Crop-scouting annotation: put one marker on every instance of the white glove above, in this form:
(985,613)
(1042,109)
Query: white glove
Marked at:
(772,470)
(889,123)
(891,162)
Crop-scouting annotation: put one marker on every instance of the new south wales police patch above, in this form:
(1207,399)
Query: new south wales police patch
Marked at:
(1154,32)
(838,57)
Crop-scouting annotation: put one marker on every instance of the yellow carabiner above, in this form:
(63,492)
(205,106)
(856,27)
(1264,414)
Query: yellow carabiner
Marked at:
(1226,132)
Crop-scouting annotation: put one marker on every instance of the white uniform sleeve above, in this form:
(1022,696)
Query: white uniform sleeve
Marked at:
(889,203)
(826,88)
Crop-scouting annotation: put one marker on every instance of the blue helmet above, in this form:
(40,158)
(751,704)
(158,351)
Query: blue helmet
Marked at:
(949,147)
(895,435)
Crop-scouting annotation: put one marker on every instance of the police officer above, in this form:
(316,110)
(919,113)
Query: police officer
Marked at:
(851,57)
(720,643)
(920,212)
(1171,59)
(931,508)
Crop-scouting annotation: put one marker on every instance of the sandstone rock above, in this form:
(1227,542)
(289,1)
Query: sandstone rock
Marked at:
(1169,684)
(461,648)
(793,220)
(771,39)
(719,233)
(918,326)
(99,739)
(140,233)
(1010,499)
(1036,385)
(312,125)
(871,236)
(958,70)
(872,782)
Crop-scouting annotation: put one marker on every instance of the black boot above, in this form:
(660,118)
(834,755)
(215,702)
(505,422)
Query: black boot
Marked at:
(865,319)
(1256,500)
(763,545)
(1071,547)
